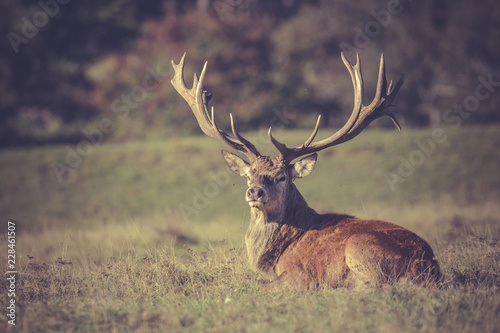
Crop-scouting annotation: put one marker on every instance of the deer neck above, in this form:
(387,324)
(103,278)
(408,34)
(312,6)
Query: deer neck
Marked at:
(268,235)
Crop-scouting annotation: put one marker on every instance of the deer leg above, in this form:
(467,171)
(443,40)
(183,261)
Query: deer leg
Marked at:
(274,285)
(371,262)
(290,280)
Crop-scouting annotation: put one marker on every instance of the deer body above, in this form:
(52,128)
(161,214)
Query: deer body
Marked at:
(353,252)
(298,247)
(290,241)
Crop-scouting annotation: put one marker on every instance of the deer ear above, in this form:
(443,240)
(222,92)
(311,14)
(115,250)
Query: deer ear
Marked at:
(304,167)
(237,165)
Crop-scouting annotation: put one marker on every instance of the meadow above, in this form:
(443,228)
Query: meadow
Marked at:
(148,236)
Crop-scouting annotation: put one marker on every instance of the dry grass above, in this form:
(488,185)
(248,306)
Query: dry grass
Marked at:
(107,249)
(179,289)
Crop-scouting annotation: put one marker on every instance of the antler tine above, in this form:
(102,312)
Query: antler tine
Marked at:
(361,115)
(248,145)
(313,134)
(284,150)
(197,100)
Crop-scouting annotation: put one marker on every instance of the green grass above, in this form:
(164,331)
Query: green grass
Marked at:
(109,249)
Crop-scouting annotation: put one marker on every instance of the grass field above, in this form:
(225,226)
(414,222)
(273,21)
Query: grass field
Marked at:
(148,236)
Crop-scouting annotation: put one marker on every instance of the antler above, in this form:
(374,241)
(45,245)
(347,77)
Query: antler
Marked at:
(198,99)
(361,115)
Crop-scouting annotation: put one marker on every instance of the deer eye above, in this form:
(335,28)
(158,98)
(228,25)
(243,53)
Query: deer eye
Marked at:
(281,179)
(266,180)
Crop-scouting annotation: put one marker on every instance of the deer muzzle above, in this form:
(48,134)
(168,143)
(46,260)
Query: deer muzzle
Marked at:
(256,196)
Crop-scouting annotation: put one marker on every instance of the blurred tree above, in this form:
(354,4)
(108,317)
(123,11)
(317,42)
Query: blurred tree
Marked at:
(442,47)
(236,55)
(63,62)
(46,47)
(443,55)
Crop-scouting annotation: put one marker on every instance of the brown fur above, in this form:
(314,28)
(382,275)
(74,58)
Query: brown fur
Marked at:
(300,248)
(289,240)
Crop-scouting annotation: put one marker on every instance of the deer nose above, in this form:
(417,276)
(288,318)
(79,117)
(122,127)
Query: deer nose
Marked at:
(256,193)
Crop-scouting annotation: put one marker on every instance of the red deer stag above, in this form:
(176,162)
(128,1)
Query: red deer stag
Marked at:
(289,240)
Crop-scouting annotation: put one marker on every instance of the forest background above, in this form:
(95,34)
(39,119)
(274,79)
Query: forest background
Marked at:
(68,68)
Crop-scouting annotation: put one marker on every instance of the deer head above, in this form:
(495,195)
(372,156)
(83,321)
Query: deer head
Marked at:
(270,179)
